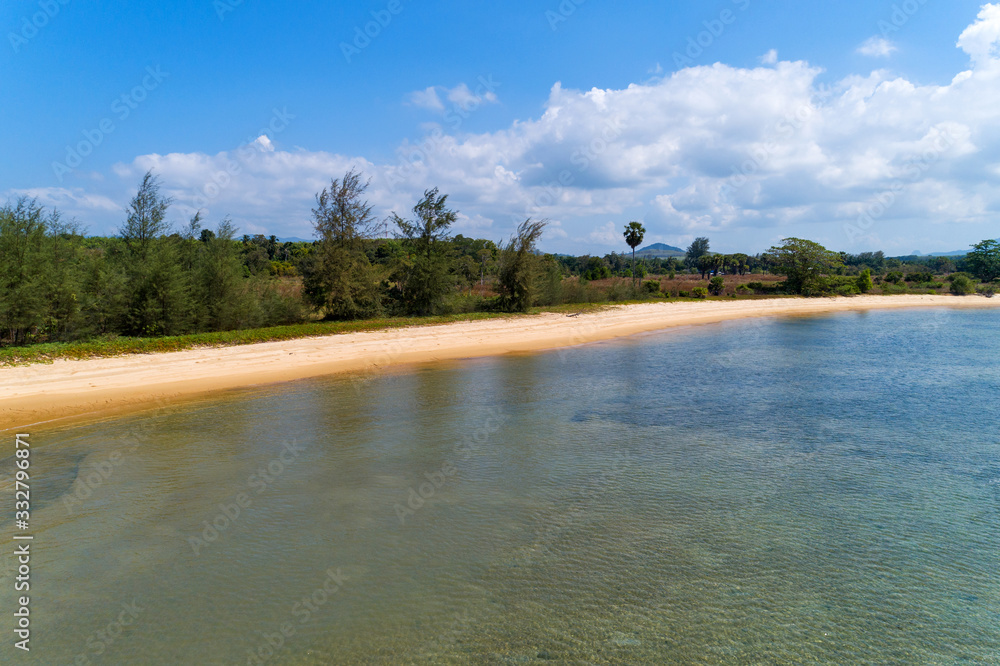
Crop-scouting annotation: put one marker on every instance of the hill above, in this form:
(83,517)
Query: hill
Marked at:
(660,251)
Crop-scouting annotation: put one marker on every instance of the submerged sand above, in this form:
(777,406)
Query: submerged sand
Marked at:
(36,394)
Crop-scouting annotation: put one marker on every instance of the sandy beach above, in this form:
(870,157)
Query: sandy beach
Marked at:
(35,394)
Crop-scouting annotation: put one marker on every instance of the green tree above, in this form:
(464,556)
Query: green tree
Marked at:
(695,251)
(865,283)
(23,308)
(338,277)
(520,267)
(159,299)
(426,280)
(984,260)
(634,233)
(146,219)
(705,265)
(224,292)
(802,262)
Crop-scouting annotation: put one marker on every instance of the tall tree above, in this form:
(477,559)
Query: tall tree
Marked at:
(802,262)
(695,251)
(23,306)
(520,267)
(426,280)
(159,290)
(634,233)
(339,277)
(984,260)
(146,215)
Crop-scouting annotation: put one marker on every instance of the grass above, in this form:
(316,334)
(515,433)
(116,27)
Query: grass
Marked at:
(117,346)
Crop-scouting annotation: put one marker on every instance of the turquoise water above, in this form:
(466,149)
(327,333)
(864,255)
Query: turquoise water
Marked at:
(801,490)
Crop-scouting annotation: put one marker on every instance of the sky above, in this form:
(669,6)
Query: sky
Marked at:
(863,125)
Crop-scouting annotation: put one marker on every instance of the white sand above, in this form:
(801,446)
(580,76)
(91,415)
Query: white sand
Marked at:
(71,389)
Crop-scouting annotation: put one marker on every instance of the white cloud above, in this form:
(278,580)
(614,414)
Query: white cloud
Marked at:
(744,154)
(606,234)
(462,97)
(770,58)
(426,99)
(980,39)
(73,203)
(877,47)
(265,143)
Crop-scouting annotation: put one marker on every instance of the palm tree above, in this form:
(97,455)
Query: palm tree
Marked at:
(634,233)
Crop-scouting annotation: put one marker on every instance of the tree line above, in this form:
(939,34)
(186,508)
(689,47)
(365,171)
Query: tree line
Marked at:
(56,284)
(149,280)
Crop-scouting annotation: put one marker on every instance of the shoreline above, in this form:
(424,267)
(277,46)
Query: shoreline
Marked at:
(74,389)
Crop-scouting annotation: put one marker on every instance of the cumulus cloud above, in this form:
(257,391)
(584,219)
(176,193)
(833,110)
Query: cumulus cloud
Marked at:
(877,47)
(747,154)
(770,58)
(980,39)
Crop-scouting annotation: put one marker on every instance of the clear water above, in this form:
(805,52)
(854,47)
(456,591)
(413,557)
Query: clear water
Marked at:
(808,490)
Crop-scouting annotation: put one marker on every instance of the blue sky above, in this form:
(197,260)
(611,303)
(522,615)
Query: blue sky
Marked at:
(589,114)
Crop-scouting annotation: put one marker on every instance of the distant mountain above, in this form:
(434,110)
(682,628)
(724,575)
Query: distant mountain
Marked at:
(660,251)
(959,253)
(294,239)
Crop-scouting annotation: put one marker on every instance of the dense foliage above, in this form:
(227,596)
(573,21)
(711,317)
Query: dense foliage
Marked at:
(155,282)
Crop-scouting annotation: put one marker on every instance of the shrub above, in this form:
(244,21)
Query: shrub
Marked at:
(894,277)
(962,285)
(935,285)
(987,290)
(865,281)
(847,290)
(717,285)
(919,277)
(683,294)
(699,292)
(765,288)
(744,290)
(651,287)
(954,276)
(894,288)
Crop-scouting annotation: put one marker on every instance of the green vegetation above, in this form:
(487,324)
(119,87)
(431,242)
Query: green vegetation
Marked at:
(634,233)
(984,260)
(153,288)
(865,283)
(804,263)
(962,285)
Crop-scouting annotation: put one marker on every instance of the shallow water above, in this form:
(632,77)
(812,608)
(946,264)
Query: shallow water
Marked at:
(803,490)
